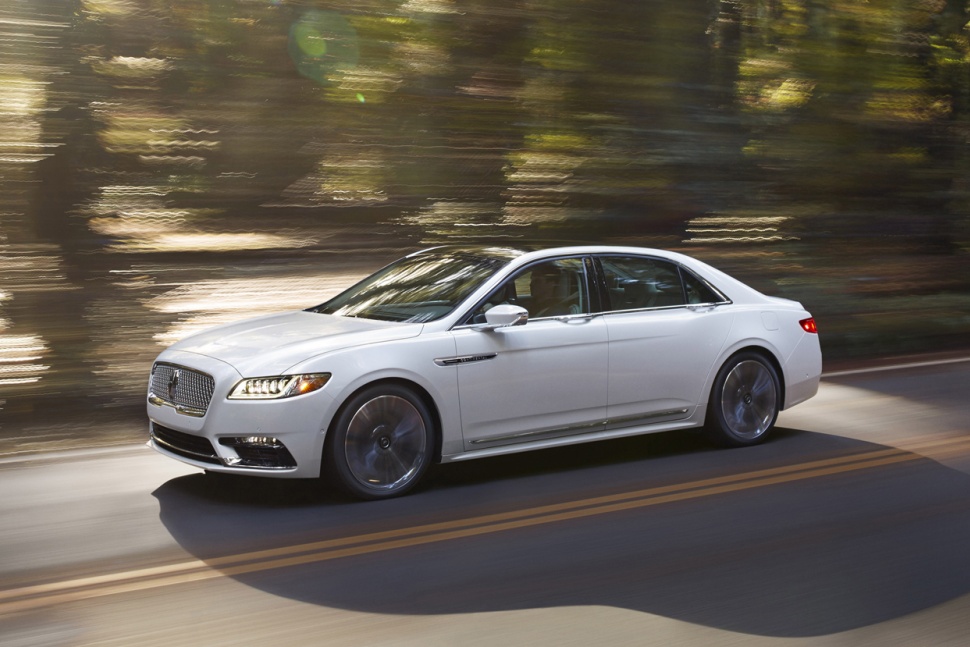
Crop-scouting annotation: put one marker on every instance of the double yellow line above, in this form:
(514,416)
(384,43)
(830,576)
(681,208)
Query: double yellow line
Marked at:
(54,593)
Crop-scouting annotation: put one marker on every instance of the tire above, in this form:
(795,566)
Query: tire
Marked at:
(381,443)
(744,401)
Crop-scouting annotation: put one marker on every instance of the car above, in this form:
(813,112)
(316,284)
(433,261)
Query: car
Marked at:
(456,353)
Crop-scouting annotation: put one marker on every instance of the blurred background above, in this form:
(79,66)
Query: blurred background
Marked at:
(168,165)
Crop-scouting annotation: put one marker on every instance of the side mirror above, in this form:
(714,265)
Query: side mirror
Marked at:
(504,316)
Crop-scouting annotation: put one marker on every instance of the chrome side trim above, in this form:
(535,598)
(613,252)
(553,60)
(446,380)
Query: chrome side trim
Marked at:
(558,431)
(605,425)
(465,359)
(630,421)
(688,306)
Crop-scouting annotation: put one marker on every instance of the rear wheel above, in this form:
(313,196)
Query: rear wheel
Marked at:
(744,401)
(381,443)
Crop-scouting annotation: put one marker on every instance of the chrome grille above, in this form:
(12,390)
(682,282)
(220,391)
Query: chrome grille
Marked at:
(182,387)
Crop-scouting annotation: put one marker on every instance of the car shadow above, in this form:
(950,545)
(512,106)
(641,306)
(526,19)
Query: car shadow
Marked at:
(797,558)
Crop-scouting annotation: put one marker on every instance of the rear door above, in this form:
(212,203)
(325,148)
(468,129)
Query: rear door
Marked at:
(665,329)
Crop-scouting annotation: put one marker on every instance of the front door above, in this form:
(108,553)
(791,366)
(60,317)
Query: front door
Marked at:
(544,379)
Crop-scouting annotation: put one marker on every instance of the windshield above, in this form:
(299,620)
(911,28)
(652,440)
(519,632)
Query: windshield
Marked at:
(417,288)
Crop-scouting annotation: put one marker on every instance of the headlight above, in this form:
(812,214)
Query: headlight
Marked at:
(282,386)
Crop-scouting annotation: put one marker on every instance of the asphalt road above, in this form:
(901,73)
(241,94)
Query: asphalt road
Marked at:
(850,526)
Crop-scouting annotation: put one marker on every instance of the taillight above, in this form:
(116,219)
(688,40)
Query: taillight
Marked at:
(808,325)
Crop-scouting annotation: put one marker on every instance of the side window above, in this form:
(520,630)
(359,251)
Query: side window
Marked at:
(700,292)
(638,282)
(549,289)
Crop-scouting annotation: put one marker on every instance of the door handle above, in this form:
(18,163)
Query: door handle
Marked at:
(577,319)
(701,307)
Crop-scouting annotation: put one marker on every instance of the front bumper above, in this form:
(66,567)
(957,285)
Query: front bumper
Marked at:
(257,452)
(276,438)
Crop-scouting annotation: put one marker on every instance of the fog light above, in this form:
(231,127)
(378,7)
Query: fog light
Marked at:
(260,441)
(261,452)
(263,442)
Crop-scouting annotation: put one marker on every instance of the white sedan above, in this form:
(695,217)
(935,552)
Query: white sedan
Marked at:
(457,353)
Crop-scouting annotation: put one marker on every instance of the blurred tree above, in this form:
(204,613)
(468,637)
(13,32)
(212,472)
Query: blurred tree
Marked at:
(828,137)
(847,110)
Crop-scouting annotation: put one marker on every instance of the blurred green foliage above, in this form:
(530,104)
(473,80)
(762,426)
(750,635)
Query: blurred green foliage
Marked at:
(815,148)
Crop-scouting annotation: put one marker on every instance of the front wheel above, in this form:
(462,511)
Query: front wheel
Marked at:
(744,401)
(381,443)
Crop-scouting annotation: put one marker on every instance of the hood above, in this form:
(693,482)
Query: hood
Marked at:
(272,344)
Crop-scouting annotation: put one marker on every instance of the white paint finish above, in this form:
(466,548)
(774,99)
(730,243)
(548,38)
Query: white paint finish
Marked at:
(770,321)
(545,374)
(661,360)
(274,343)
